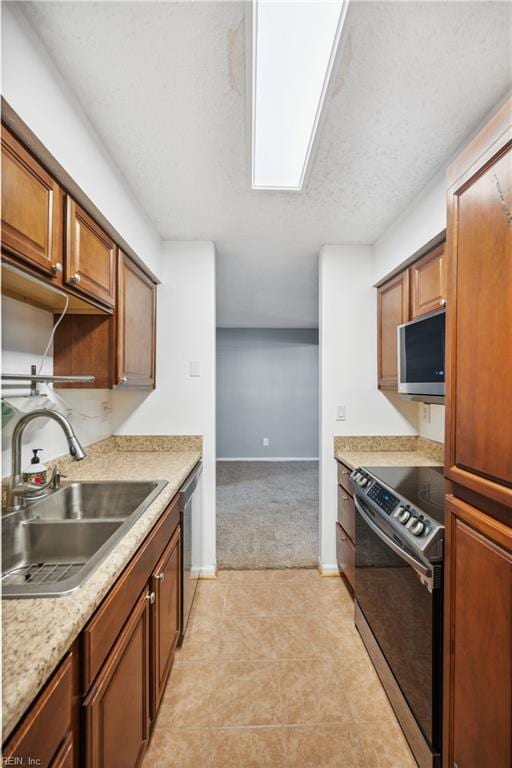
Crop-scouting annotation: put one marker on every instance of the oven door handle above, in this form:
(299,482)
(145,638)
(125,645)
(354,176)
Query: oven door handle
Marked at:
(425,573)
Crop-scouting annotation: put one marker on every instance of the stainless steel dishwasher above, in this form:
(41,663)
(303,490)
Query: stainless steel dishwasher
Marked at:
(190,510)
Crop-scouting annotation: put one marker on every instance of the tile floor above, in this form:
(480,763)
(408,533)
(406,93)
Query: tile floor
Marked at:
(273,674)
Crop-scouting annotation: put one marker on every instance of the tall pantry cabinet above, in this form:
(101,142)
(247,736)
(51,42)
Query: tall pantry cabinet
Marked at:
(478,576)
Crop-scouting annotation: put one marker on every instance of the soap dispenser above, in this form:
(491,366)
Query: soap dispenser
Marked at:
(36,472)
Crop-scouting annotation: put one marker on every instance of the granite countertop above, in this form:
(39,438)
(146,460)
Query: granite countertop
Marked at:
(382,451)
(38,632)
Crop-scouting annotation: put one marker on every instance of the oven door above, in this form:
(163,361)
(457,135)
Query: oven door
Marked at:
(402,604)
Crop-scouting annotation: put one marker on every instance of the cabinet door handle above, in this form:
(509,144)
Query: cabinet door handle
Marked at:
(75,278)
(123,379)
(56,268)
(345,498)
(160,577)
(151,597)
(443,302)
(345,472)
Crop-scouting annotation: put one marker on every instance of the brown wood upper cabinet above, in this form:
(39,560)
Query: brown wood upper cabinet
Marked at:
(392,310)
(90,264)
(478,639)
(479,320)
(136,326)
(32,210)
(427,283)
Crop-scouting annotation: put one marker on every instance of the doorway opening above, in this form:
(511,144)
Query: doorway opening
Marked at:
(267,448)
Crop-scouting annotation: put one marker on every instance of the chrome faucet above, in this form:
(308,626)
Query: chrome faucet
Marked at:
(19,492)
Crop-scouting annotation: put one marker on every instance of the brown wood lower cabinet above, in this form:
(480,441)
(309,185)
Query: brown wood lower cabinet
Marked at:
(347,513)
(165,617)
(48,726)
(117,669)
(65,756)
(346,527)
(117,707)
(478,639)
(346,555)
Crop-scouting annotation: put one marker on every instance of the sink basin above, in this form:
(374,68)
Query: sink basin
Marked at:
(53,546)
(92,500)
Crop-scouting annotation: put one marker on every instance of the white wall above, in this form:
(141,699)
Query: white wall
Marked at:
(348,373)
(182,404)
(418,224)
(267,386)
(25,334)
(36,91)
(431,422)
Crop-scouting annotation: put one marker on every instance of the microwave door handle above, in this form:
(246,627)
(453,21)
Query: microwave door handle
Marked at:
(421,569)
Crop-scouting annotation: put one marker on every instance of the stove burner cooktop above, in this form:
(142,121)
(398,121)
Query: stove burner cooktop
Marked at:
(423,487)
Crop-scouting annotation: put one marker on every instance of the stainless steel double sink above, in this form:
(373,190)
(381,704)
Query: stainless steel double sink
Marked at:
(50,548)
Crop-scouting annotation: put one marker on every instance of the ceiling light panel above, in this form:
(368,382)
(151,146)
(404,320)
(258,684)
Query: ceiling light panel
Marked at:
(294,46)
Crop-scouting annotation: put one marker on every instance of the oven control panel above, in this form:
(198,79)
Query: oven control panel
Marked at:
(411,524)
(381,496)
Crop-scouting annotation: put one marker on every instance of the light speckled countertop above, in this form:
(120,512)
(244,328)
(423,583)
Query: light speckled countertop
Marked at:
(382,451)
(36,633)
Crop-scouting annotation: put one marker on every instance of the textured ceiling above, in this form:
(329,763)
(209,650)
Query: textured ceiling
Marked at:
(164,86)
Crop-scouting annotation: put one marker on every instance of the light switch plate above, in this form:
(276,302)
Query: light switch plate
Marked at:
(341,413)
(195,368)
(266,442)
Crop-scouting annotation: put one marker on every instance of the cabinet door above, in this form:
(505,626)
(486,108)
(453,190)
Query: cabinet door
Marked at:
(165,617)
(117,707)
(346,556)
(479,315)
(65,756)
(32,205)
(392,310)
(136,336)
(90,256)
(427,283)
(478,639)
(47,724)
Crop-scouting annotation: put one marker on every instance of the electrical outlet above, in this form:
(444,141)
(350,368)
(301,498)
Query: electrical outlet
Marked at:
(266,442)
(106,410)
(341,413)
(426,412)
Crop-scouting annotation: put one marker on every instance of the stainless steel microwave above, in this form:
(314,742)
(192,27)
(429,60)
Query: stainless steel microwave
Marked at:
(421,355)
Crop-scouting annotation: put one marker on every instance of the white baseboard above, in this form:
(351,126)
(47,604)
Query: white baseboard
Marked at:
(205,572)
(269,458)
(328,569)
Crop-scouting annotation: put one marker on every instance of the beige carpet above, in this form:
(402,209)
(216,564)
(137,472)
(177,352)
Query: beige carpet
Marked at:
(267,514)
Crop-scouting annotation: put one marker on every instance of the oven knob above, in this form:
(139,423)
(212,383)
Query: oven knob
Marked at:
(362,480)
(403,515)
(417,527)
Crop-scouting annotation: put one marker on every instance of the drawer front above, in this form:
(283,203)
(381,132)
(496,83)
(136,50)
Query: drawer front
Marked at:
(46,725)
(106,624)
(343,478)
(347,513)
(346,555)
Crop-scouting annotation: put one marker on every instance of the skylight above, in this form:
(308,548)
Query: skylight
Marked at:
(294,45)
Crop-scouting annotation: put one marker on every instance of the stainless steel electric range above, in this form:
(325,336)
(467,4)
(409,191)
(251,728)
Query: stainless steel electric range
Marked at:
(399,606)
